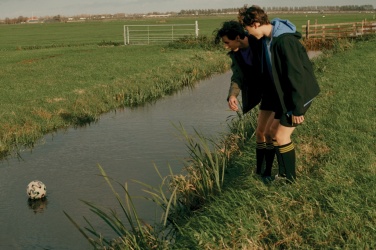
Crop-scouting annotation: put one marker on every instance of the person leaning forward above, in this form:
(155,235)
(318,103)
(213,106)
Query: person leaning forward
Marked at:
(245,79)
(248,78)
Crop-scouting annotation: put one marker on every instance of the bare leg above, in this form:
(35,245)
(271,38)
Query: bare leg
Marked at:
(283,134)
(273,128)
(262,124)
(269,131)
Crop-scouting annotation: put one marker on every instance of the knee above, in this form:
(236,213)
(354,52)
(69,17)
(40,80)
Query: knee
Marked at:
(282,139)
(278,139)
(271,134)
(268,135)
(260,134)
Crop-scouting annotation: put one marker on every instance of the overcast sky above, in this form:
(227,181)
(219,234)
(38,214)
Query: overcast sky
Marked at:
(27,8)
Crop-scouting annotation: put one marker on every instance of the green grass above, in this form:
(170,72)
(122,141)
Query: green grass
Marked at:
(92,33)
(219,203)
(47,89)
(332,204)
(51,73)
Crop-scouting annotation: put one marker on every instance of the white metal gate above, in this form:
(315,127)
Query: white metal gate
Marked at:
(155,34)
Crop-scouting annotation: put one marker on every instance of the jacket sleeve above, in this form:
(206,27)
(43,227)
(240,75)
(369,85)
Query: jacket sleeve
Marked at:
(236,79)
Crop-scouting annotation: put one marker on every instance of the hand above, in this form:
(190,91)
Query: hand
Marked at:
(233,103)
(297,119)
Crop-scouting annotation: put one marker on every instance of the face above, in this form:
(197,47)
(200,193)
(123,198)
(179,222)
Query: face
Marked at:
(255,30)
(233,45)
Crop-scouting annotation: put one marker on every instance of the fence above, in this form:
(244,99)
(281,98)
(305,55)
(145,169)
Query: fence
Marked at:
(338,30)
(158,33)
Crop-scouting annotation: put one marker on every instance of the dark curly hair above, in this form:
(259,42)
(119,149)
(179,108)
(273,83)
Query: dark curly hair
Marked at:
(251,15)
(231,29)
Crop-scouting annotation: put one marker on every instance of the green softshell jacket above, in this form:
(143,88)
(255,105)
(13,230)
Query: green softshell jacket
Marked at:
(293,73)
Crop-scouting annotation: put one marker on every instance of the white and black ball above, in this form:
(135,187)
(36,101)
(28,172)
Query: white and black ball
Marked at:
(36,190)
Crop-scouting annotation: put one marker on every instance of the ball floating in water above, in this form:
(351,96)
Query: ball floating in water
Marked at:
(36,190)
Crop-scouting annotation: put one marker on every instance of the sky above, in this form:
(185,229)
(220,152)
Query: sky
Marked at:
(27,8)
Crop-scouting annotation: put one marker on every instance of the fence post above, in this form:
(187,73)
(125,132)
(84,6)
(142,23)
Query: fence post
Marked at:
(354,29)
(196,28)
(125,36)
(315,26)
(148,35)
(307,30)
(172,33)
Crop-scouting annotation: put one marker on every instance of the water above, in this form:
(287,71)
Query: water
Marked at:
(126,143)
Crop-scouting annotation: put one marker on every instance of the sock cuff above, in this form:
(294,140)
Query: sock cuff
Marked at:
(286,148)
(260,145)
(269,146)
(275,144)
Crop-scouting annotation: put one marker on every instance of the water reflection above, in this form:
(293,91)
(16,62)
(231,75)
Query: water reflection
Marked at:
(37,206)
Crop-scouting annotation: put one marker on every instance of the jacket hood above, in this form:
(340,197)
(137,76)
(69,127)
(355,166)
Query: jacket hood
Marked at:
(282,27)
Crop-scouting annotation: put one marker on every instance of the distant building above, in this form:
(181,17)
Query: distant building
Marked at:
(162,15)
(33,20)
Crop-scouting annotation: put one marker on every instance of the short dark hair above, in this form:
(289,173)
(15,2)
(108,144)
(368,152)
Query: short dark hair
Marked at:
(231,29)
(251,15)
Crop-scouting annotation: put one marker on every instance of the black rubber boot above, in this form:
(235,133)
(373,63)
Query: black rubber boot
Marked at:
(269,159)
(288,158)
(260,156)
(281,166)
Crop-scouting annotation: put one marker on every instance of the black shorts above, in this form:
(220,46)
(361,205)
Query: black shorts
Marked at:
(286,119)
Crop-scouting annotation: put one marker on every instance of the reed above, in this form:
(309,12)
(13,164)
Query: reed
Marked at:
(131,232)
(178,195)
(331,204)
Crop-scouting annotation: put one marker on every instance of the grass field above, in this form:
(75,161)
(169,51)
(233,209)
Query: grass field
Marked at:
(220,203)
(56,75)
(52,72)
(331,206)
(93,33)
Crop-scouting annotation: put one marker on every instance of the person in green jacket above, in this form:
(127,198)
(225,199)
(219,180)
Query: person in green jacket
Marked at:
(247,80)
(293,76)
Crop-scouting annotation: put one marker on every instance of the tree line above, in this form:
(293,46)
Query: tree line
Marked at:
(59,18)
(368,7)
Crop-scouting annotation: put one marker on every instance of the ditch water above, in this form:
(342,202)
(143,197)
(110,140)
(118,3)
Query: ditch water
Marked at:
(126,143)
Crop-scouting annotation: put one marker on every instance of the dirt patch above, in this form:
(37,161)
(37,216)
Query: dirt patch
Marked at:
(314,53)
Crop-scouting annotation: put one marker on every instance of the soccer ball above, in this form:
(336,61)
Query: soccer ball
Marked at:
(36,190)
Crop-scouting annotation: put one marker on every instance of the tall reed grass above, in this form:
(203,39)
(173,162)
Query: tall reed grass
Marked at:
(178,195)
(201,210)
(331,204)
